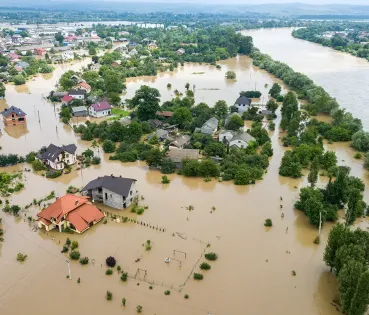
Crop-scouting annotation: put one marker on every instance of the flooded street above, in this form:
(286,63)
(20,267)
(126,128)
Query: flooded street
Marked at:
(342,75)
(253,272)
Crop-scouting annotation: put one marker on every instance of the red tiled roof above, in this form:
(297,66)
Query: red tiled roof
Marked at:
(84,85)
(75,209)
(66,98)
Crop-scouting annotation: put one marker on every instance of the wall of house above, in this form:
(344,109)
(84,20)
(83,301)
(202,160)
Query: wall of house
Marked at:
(14,121)
(55,165)
(239,144)
(70,159)
(112,199)
(78,97)
(99,114)
(80,114)
(242,107)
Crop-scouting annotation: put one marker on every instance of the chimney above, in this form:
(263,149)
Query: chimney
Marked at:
(76,203)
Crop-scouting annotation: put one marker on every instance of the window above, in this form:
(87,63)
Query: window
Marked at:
(130,192)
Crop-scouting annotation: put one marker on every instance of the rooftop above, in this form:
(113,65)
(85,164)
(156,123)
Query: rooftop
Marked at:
(119,185)
(53,151)
(13,110)
(178,155)
(100,106)
(243,100)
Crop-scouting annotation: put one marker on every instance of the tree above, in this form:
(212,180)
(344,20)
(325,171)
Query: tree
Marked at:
(19,79)
(59,38)
(92,51)
(267,149)
(346,253)
(182,117)
(313,174)
(360,301)
(208,168)
(348,279)
(187,86)
(167,166)
(146,100)
(215,149)
(336,239)
(221,109)
(272,105)
(108,146)
(235,123)
(243,176)
(353,199)
(315,211)
(154,157)
(2,89)
(360,141)
(275,91)
(366,162)
(66,80)
(230,75)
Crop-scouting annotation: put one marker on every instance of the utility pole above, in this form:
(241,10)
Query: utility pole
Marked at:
(320,222)
(70,275)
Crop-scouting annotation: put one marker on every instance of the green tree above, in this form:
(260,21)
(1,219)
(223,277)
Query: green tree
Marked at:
(108,146)
(235,123)
(221,109)
(146,100)
(59,38)
(272,105)
(230,75)
(354,197)
(275,91)
(182,117)
(154,157)
(346,253)
(2,89)
(19,79)
(267,149)
(313,174)
(243,176)
(360,301)
(315,211)
(336,239)
(66,80)
(215,149)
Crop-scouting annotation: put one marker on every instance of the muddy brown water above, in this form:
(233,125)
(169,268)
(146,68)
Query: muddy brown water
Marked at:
(253,272)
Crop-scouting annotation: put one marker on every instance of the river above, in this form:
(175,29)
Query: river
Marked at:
(254,271)
(342,75)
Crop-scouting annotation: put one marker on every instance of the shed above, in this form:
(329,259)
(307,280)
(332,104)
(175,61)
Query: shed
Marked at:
(79,111)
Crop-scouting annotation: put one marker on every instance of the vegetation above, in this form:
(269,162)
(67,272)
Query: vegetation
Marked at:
(124,276)
(111,262)
(211,256)
(84,261)
(21,257)
(109,271)
(165,179)
(139,309)
(74,255)
(124,301)
(198,276)
(167,292)
(109,295)
(230,75)
(205,266)
(268,222)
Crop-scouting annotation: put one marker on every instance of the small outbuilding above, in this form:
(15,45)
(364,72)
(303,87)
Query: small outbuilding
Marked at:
(79,111)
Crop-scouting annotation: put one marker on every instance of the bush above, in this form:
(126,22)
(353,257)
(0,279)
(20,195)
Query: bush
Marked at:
(167,166)
(205,266)
(96,160)
(38,166)
(186,296)
(198,276)
(124,301)
(74,255)
(124,276)
(268,222)
(111,262)
(21,257)
(74,245)
(19,79)
(167,292)
(68,242)
(108,146)
(211,256)
(357,156)
(139,309)
(53,174)
(231,75)
(109,295)
(65,249)
(165,179)
(109,271)
(84,261)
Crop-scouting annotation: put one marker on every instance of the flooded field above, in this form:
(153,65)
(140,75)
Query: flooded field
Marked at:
(253,272)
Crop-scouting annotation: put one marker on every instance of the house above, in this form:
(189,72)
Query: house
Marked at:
(19,69)
(178,155)
(180,52)
(241,140)
(152,46)
(40,51)
(83,86)
(226,136)
(242,103)
(209,127)
(115,192)
(14,116)
(68,55)
(69,211)
(180,142)
(77,94)
(66,99)
(57,157)
(161,134)
(155,123)
(22,64)
(100,109)
(95,67)
(165,114)
(58,94)
(14,57)
(79,111)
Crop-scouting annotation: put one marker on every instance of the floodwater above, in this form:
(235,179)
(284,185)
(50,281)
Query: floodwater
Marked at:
(342,75)
(253,272)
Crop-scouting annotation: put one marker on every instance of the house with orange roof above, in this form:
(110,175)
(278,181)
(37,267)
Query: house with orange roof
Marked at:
(83,86)
(70,211)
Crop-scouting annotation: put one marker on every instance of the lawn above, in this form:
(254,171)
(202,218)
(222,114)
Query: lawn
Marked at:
(119,112)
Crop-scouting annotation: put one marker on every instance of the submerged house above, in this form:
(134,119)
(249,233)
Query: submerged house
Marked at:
(115,192)
(178,155)
(69,211)
(242,103)
(14,116)
(180,142)
(58,157)
(100,109)
(241,140)
(209,127)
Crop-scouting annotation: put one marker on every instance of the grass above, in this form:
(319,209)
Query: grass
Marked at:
(119,112)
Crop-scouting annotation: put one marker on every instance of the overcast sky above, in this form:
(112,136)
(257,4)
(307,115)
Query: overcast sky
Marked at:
(358,2)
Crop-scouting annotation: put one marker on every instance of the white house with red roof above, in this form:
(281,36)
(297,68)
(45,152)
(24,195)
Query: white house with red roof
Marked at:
(83,86)
(69,211)
(100,109)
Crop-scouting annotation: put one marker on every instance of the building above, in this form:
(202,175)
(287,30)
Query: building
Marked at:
(68,55)
(14,116)
(180,142)
(152,46)
(161,134)
(40,51)
(178,155)
(14,57)
(209,127)
(242,103)
(69,211)
(155,123)
(77,94)
(226,136)
(100,109)
(79,111)
(241,140)
(57,157)
(180,52)
(83,86)
(115,192)
(66,99)
(165,114)
(22,64)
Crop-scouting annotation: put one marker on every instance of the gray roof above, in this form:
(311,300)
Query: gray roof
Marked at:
(77,92)
(182,140)
(243,100)
(119,185)
(155,122)
(13,110)
(53,151)
(60,94)
(177,155)
(209,127)
(266,112)
(244,136)
(23,64)
(79,109)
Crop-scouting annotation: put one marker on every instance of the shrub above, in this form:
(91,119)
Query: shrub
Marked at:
(165,179)
(74,245)
(68,242)
(21,257)
(96,160)
(139,309)
(84,261)
(109,295)
(124,301)
(19,79)
(211,256)
(167,292)
(357,155)
(110,261)
(124,276)
(198,276)
(186,296)
(119,268)
(268,222)
(53,174)
(231,75)
(108,146)
(65,249)
(205,266)
(109,271)
(72,190)
(74,255)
